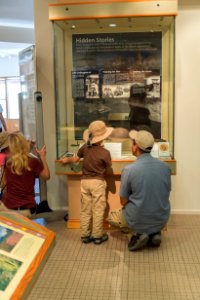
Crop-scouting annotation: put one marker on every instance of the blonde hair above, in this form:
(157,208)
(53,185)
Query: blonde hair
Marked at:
(18,159)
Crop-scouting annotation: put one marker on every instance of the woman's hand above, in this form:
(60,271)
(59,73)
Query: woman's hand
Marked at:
(42,152)
(45,174)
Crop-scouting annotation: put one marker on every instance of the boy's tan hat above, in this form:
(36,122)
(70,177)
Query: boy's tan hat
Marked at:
(3,140)
(96,132)
(143,139)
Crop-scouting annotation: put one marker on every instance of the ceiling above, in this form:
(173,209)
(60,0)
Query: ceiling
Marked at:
(16,24)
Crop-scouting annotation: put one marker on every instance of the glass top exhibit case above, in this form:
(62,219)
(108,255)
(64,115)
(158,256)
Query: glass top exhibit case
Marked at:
(116,68)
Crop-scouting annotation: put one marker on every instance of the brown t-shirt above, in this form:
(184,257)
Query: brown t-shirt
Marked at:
(95,161)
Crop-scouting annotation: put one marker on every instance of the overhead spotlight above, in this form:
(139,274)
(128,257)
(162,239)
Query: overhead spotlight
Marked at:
(112,25)
(73,27)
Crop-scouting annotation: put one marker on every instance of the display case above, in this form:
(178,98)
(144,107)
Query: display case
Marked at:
(116,69)
(114,61)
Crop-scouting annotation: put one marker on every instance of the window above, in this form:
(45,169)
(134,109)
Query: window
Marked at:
(9,90)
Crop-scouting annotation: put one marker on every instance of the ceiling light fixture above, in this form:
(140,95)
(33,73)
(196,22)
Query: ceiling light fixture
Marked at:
(112,25)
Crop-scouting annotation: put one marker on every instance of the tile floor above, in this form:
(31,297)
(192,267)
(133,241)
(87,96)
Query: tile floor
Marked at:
(110,272)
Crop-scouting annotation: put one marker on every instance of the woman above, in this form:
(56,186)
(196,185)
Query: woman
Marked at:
(21,169)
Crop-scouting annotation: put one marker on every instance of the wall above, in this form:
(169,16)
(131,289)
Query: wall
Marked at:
(56,186)
(186,184)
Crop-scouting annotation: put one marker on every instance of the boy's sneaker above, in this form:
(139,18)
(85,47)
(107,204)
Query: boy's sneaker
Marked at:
(154,239)
(101,239)
(87,239)
(138,241)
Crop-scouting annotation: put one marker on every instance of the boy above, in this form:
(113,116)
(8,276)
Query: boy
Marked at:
(96,160)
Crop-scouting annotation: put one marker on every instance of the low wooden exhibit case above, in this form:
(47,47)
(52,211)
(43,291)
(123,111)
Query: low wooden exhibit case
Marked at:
(24,249)
(74,171)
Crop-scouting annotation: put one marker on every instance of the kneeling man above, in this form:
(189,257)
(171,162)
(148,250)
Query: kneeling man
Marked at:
(144,194)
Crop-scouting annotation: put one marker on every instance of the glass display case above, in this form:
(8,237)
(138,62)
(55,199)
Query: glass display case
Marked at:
(121,74)
(116,69)
(115,65)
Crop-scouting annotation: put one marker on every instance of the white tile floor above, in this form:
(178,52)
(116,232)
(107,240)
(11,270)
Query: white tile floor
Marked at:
(110,272)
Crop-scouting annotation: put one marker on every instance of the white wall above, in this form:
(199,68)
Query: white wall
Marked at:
(186,184)
(56,187)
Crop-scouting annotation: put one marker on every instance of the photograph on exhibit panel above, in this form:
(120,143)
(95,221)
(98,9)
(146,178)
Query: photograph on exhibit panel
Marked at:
(8,269)
(18,248)
(9,238)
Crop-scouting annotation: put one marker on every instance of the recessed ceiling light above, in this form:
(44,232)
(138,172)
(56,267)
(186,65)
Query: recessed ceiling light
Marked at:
(73,27)
(112,25)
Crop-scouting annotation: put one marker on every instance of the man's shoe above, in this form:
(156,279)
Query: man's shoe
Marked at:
(154,239)
(87,239)
(101,239)
(138,241)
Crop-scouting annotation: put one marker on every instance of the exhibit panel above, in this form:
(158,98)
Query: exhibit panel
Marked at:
(24,249)
(117,67)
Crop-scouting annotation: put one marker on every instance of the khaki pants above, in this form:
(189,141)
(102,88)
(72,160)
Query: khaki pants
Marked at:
(116,219)
(93,205)
(25,212)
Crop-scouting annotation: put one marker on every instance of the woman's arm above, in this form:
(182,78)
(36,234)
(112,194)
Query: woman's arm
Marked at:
(45,174)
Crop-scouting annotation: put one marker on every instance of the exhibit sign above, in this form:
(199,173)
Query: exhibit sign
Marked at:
(109,71)
(19,249)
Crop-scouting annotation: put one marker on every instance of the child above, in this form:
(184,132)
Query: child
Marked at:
(93,185)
